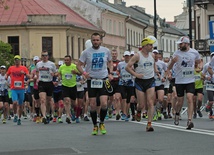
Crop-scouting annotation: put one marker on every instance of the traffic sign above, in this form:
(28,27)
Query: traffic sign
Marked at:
(211,42)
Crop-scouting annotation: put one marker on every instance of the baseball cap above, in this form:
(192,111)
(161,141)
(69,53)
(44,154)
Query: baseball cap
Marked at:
(132,53)
(60,63)
(126,53)
(17,57)
(155,51)
(3,66)
(183,40)
(211,54)
(88,43)
(147,41)
(35,58)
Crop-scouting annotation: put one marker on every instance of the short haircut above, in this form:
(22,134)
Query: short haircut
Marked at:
(68,56)
(96,34)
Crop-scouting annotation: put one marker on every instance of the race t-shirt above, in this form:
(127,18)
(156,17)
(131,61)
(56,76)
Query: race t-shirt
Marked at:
(185,66)
(45,69)
(68,79)
(17,78)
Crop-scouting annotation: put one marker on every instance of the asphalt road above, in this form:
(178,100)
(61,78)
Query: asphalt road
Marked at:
(122,138)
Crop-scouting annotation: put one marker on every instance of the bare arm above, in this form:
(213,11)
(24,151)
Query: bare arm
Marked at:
(131,62)
(81,71)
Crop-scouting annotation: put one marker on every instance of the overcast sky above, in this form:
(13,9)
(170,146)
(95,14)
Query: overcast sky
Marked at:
(165,8)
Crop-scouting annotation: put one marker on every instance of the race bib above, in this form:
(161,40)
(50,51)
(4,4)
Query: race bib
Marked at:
(115,75)
(17,84)
(126,77)
(68,76)
(210,86)
(96,83)
(187,73)
(197,77)
(80,87)
(147,65)
(44,77)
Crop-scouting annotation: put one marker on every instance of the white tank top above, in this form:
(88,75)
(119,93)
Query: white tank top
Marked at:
(145,66)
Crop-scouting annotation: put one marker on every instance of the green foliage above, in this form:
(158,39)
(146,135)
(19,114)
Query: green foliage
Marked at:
(6,58)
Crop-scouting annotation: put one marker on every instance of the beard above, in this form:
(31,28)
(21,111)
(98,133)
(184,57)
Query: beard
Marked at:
(184,48)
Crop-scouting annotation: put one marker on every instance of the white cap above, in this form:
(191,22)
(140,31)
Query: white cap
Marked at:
(132,52)
(211,54)
(126,53)
(155,51)
(35,58)
(88,43)
(60,63)
(3,66)
(183,40)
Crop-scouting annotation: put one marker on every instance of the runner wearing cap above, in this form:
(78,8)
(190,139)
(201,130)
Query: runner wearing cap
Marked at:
(126,86)
(185,60)
(4,98)
(17,74)
(144,71)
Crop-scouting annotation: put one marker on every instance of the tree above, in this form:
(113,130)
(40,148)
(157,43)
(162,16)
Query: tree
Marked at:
(6,58)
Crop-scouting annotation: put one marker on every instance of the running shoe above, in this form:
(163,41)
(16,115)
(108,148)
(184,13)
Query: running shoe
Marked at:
(138,117)
(18,122)
(176,122)
(9,118)
(37,119)
(149,128)
(77,120)
(210,117)
(194,115)
(98,119)
(73,118)
(54,119)
(34,118)
(102,128)
(127,119)
(123,117)
(15,119)
(118,117)
(44,120)
(25,116)
(199,113)
(68,120)
(4,121)
(165,115)
(169,115)
(86,118)
(60,120)
(110,113)
(95,130)
(208,108)
(144,115)
(159,115)
(190,125)
(107,117)
(133,118)
(155,117)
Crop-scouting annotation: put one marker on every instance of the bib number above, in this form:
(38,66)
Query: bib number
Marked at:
(96,83)
(44,77)
(187,73)
(126,77)
(210,86)
(68,76)
(17,84)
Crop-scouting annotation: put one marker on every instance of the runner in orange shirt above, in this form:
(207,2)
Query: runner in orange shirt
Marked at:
(17,74)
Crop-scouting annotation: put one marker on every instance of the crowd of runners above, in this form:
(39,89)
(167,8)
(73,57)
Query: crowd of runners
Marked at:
(99,86)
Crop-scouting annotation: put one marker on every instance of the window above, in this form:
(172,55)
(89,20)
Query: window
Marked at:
(170,46)
(163,44)
(167,50)
(14,42)
(72,47)
(131,38)
(83,44)
(67,42)
(122,30)
(114,27)
(128,39)
(119,28)
(110,25)
(134,37)
(47,45)
(199,27)
(106,25)
(79,50)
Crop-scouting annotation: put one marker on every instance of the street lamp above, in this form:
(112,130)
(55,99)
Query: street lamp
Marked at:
(190,22)
(155,16)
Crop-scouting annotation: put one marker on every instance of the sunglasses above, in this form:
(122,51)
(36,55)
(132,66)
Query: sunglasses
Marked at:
(44,55)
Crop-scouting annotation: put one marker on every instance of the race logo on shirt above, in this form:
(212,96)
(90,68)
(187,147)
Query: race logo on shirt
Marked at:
(97,61)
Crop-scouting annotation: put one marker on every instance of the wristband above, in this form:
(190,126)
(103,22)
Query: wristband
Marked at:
(84,73)
(206,76)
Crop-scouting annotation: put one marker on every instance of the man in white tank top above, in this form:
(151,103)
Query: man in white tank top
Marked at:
(185,59)
(144,72)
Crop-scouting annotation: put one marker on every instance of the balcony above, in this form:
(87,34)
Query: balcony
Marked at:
(203,3)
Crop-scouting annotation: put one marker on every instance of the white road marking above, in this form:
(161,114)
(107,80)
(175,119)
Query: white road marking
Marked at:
(174,127)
